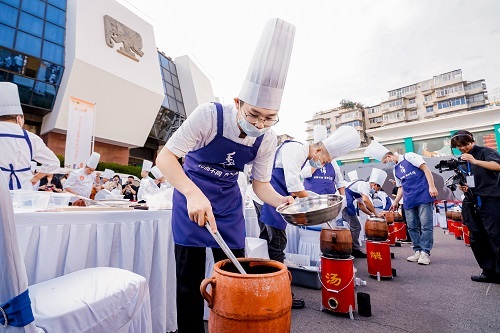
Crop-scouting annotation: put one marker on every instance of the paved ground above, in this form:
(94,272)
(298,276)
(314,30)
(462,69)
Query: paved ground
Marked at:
(439,297)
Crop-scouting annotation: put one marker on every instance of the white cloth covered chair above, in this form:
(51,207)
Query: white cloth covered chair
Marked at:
(90,300)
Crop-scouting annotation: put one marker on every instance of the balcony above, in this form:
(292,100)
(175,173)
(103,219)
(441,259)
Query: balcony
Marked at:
(393,121)
(476,90)
(447,83)
(431,114)
(450,95)
(455,108)
(412,116)
(412,106)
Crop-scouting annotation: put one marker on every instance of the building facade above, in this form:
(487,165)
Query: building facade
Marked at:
(100,52)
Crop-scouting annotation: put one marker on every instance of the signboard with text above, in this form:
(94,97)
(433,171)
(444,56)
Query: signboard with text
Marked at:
(79,135)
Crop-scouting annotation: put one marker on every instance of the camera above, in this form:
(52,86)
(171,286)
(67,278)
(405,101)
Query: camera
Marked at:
(454,165)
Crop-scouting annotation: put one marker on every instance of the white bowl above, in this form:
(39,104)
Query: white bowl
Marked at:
(29,200)
(114,196)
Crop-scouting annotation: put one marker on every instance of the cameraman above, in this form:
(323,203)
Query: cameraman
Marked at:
(481,206)
(130,190)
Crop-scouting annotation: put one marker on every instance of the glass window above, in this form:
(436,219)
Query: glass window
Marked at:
(14,3)
(170,90)
(31,67)
(173,104)
(163,61)
(8,15)
(35,7)
(166,75)
(6,36)
(54,33)
(25,87)
(28,44)
(58,3)
(5,76)
(397,148)
(49,73)
(180,106)
(178,95)
(44,95)
(172,68)
(53,52)
(429,109)
(31,24)
(175,81)
(165,103)
(56,16)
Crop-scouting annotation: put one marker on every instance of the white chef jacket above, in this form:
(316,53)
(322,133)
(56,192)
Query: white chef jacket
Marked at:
(291,157)
(200,128)
(147,186)
(80,182)
(339,177)
(16,151)
(360,187)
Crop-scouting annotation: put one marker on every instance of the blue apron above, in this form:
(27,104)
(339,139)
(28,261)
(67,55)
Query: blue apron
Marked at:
(11,169)
(415,186)
(322,180)
(214,169)
(269,215)
(381,205)
(350,196)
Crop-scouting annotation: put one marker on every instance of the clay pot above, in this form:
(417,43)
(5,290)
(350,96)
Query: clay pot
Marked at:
(376,229)
(336,242)
(260,301)
(456,216)
(449,214)
(398,217)
(389,217)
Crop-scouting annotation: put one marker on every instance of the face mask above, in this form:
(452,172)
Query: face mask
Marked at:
(315,164)
(250,129)
(372,191)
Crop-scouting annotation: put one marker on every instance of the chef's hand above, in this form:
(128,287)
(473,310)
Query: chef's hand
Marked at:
(394,207)
(200,210)
(288,200)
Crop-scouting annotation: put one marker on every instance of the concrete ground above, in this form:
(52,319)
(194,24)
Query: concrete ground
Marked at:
(439,297)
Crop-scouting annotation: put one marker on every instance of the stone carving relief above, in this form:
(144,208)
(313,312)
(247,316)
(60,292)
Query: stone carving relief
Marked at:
(117,32)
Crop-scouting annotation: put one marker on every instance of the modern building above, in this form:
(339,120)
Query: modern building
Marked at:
(100,52)
(421,117)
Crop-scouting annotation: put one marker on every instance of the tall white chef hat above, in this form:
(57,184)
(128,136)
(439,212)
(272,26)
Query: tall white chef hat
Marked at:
(108,173)
(376,150)
(265,80)
(9,99)
(353,175)
(147,165)
(33,166)
(93,160)
(378,176)
(156,172)
(342,141)
(320,133)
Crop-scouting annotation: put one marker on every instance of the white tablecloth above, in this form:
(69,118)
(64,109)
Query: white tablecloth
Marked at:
(57,243)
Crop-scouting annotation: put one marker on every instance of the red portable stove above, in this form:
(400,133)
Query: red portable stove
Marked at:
(392,234)
(400,230)
(378,255)
(337,280)
(466,234)
(451,226)
(457,229)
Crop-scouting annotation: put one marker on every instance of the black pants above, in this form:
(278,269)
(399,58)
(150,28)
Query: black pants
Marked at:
(276,241)
(190,271)
(484,227)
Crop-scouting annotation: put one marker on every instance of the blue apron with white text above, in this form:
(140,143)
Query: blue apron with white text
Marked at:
(269,215)
(11,169)
(350,197)
(214,169)
(414,183)
(322,180)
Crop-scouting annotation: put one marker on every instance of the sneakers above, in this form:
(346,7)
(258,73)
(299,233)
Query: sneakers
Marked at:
(424,259)
(415,257)
(484,278)
(357,253)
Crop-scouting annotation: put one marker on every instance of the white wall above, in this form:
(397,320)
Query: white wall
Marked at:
(195,85)
(127,93)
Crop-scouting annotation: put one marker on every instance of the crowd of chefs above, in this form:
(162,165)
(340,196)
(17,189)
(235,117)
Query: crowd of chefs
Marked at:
(216,142)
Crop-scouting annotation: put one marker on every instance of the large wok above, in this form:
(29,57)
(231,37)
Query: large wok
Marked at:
(312,210)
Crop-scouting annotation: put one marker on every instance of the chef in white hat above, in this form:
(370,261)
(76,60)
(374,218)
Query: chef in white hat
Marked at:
(353,175)
(381,201)
(147,185)
(289,160)
(159,178)
(325,180)
(416,185)
(18,146)
(216,142)
(81,181)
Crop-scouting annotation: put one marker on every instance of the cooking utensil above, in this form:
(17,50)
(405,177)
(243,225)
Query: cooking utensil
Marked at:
(218,238)
(312,210)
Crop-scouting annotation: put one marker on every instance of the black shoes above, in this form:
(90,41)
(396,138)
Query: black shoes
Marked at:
(297,303)
(356,253)
(484,278)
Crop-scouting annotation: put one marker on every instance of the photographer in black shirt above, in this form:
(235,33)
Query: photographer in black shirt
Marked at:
(129,190)
(481,211)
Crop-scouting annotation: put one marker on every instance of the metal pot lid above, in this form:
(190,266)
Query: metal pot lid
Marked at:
(376,219)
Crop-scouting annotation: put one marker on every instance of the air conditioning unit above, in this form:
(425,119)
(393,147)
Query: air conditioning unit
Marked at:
(425,102)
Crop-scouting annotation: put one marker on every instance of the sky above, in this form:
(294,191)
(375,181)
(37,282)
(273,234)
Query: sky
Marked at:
(349,49)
